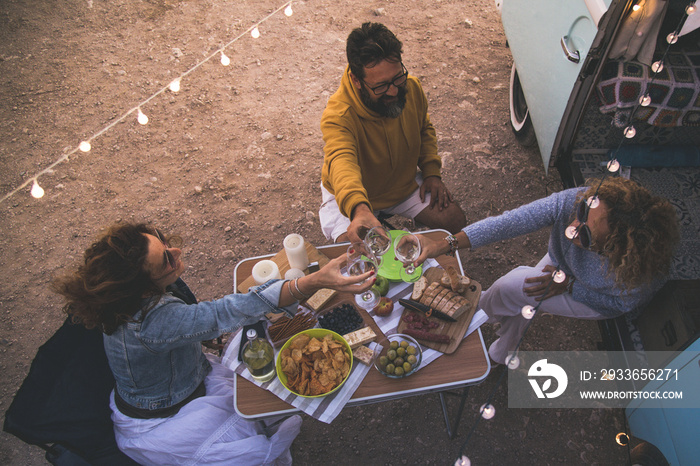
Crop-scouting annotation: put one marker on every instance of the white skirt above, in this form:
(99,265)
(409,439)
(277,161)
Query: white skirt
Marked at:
(206,430)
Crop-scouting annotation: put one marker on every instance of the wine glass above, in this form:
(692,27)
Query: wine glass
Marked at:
(378,240)
(407,250)
(362,260)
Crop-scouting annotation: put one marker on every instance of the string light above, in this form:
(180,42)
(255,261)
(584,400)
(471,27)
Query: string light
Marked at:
(690,9)
(645,100)
(630,132)
(224,59)
(657,66)
(142,118)
(636,8)
(37,191)
(512,362)
(174,86)
(487,411)
(528,311)
(613,166)
(463,461)
(593,202)
(288,11)
(672,38)
(622,439)
(255,32)
(559,276)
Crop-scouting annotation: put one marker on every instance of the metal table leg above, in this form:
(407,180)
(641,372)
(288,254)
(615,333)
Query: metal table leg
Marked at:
(452,430)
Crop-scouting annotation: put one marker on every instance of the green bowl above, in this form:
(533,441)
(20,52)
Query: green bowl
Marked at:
(317,333)
(390,266)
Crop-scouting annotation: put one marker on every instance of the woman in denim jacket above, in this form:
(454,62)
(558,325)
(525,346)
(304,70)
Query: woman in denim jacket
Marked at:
(173,404)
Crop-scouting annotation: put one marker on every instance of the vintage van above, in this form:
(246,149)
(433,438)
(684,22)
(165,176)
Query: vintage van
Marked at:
(595,81)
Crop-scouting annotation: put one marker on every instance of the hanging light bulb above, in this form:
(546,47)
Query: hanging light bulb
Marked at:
(559,276)
(528,312)
(657,66)
(672,38)
(288,11)
(142,118)
(175,85)
(255,32)
(37,191)
(85,146)
(645,100)
(571,232)
(690,9)
(463,461)
(630,132)
(512,361)
(593,202)
(613,166)
(622,439)
(487,411)
(224,59)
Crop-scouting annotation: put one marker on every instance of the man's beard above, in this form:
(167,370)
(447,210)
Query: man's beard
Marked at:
(383,108)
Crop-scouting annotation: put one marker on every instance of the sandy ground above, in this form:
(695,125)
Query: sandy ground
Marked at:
(232,163)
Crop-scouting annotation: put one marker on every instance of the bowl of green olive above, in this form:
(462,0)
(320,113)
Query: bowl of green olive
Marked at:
(397,356)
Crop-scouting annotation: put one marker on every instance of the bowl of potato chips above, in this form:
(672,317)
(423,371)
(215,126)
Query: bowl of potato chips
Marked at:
(314,363)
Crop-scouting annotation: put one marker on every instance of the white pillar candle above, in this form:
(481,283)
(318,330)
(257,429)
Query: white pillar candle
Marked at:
(265,270)
(296,251)
(292,273)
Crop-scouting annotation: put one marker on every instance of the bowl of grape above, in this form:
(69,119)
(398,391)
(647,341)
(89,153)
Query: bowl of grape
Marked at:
(397,356)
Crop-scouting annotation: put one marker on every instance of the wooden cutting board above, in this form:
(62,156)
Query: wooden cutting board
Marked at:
(281,260)
(455,330)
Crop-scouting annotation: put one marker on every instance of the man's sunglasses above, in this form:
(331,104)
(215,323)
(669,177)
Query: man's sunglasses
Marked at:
(168,255)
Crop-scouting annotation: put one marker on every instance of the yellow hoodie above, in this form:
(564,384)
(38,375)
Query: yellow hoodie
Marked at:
(373,159)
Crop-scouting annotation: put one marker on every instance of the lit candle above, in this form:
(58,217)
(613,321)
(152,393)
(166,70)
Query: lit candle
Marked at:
(296,251)
(265,270)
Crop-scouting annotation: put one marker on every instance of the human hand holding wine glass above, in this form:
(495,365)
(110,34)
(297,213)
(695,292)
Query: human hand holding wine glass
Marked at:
(378,240)
(362,260)
(407,250)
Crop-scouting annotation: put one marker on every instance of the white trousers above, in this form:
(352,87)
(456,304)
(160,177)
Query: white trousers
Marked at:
(504,300)
(206,430)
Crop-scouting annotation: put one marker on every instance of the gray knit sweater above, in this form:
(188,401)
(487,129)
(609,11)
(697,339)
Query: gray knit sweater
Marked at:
(594,286)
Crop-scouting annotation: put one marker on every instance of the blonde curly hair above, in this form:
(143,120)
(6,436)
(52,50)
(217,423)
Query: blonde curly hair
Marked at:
(643,231)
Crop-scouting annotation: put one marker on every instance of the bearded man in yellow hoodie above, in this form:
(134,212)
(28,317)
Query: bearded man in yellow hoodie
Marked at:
(377,136)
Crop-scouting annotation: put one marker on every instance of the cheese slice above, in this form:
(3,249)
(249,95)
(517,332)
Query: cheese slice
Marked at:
(363,354)
(360,337)
(320,298)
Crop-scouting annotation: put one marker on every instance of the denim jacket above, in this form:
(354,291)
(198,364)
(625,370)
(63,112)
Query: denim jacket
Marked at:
(158,361)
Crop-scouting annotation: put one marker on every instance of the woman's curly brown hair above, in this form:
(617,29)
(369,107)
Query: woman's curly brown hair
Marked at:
(643,231)
(107,289)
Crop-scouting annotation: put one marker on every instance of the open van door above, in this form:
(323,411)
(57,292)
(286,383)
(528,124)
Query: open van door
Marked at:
(547,61)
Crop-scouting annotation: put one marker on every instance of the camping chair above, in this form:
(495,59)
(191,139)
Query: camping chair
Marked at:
(63,404)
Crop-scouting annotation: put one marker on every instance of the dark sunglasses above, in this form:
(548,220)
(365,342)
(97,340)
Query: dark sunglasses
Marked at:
(582,231)
(168,255)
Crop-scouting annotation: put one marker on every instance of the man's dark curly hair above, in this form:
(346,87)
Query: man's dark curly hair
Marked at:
(370,44)
(643,231)
(109,286)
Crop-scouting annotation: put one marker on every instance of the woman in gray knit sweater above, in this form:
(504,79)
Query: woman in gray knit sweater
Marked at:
(614,242)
